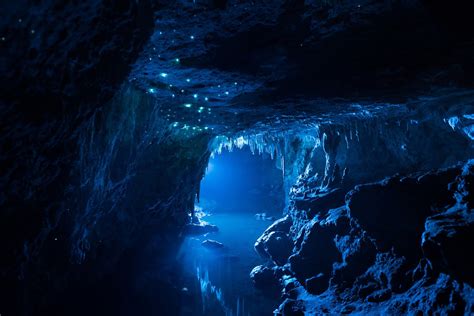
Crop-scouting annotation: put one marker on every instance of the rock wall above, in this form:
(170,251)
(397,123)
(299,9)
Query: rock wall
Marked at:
(90,167)
(393,247)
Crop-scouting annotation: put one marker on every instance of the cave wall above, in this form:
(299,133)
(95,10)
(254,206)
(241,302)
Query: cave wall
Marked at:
(390,247)
(90,167)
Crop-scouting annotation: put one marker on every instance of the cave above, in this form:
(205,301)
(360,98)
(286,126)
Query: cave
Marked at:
(207,158)
(241,194)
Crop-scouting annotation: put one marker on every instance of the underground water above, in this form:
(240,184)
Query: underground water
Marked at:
(241,193)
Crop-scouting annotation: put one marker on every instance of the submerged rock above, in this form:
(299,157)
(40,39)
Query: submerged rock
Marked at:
(264,217)
(212,244)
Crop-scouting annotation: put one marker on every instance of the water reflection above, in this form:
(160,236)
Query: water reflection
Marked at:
(223,274)
(242,194)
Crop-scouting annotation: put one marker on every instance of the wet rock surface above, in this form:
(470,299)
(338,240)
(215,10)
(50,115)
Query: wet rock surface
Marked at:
(352,259)
(212,244)
(275,243)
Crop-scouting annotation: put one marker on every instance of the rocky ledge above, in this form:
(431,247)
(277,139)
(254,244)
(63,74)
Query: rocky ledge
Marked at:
(397,246)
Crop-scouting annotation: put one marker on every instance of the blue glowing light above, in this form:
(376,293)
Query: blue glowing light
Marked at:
(195,96)
(469,116)
(164,74)
(188,80)
(188,105)
(151,90)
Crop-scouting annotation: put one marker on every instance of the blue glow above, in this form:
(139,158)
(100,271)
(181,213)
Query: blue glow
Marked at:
(241,173)
(151,90)
(164,74)
(237,185)
(187,105)
(453,121)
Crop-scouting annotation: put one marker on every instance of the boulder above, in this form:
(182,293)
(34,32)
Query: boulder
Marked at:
(264,278)
(274,243)
(278,246)
(393,211)
(317,251)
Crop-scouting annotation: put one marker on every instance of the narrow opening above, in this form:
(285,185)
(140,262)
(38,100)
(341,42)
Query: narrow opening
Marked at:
(241,194)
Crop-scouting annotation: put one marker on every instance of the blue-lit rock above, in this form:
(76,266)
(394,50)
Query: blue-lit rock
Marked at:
(275,243)
(364,260)
(110,110)
(212,244)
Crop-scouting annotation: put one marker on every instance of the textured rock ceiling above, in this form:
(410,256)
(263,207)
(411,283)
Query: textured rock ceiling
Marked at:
(231,64)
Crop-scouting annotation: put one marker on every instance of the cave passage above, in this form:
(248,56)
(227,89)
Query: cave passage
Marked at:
(241,193)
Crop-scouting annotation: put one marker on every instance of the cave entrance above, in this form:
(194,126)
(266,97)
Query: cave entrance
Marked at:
(242,194)
(239,182)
